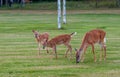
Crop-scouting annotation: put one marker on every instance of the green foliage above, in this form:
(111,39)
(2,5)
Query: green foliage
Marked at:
(18,48)
(70,5)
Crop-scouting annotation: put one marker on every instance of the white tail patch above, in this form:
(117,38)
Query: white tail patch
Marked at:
(73,34)
(105,40)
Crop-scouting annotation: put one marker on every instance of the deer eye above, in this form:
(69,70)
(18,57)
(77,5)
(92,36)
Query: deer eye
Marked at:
(77,56)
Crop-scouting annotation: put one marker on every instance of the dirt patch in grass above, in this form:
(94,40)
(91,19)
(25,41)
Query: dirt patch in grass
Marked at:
(57,67)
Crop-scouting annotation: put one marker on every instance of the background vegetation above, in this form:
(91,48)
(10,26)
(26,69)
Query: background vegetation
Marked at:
(74,5)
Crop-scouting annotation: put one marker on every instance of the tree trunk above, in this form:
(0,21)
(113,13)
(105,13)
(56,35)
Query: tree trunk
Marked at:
(22,3)
(6,2)
(1,2)
(118,3)
(96,3)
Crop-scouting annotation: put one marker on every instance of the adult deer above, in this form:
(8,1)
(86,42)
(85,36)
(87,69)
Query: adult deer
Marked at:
(40,38)
(90,38)
(58,40)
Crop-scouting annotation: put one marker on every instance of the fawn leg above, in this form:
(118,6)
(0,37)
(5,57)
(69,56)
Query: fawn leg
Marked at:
(54,49)
(47,49)
(39,48)
(69,49)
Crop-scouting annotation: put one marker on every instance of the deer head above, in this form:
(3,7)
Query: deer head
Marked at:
(77,55)
(36,34)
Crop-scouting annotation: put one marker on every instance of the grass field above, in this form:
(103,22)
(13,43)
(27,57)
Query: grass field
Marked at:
(19,54)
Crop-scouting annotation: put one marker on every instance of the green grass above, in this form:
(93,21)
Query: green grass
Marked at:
(18,48)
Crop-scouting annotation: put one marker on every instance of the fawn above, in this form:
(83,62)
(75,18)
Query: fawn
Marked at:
(41,38)
(58,40)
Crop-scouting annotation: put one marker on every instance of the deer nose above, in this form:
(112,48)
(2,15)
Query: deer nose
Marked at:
(43,47)
(77,61)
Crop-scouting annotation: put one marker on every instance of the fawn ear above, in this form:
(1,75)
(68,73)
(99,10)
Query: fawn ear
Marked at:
(76,49)
(33,30)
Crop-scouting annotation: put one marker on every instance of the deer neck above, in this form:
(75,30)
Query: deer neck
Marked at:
(82,46)
(50,44)
(84,42)
(37,37)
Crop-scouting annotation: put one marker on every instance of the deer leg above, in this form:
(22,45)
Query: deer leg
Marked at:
(39,48)
(69,49)
(83,53)
(104,47)
(54,49)
(93,52)
(47,49)
(66,52)
(101,52)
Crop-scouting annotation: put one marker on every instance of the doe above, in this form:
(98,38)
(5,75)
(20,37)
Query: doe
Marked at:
(90,38)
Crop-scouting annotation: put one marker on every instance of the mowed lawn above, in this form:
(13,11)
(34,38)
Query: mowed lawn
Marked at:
(19,53)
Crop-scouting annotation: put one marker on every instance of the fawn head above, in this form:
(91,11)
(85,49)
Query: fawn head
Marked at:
(35,33)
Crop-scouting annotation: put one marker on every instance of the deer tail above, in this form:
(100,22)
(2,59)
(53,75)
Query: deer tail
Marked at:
(74,33)
(105,40)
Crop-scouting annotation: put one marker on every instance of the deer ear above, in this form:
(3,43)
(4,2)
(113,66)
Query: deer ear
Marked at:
(37,31)
(33,30)
(76,49)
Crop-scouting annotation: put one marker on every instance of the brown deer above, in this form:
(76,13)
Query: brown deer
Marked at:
(90,38)
(40,38)
(58,40)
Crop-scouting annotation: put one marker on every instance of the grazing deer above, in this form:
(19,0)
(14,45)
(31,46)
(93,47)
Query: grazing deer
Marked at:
(90,38)
(40,38)
(58,40)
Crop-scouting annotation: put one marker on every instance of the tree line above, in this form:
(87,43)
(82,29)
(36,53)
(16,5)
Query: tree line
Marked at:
(96,1)
(23,2)
(10,2)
